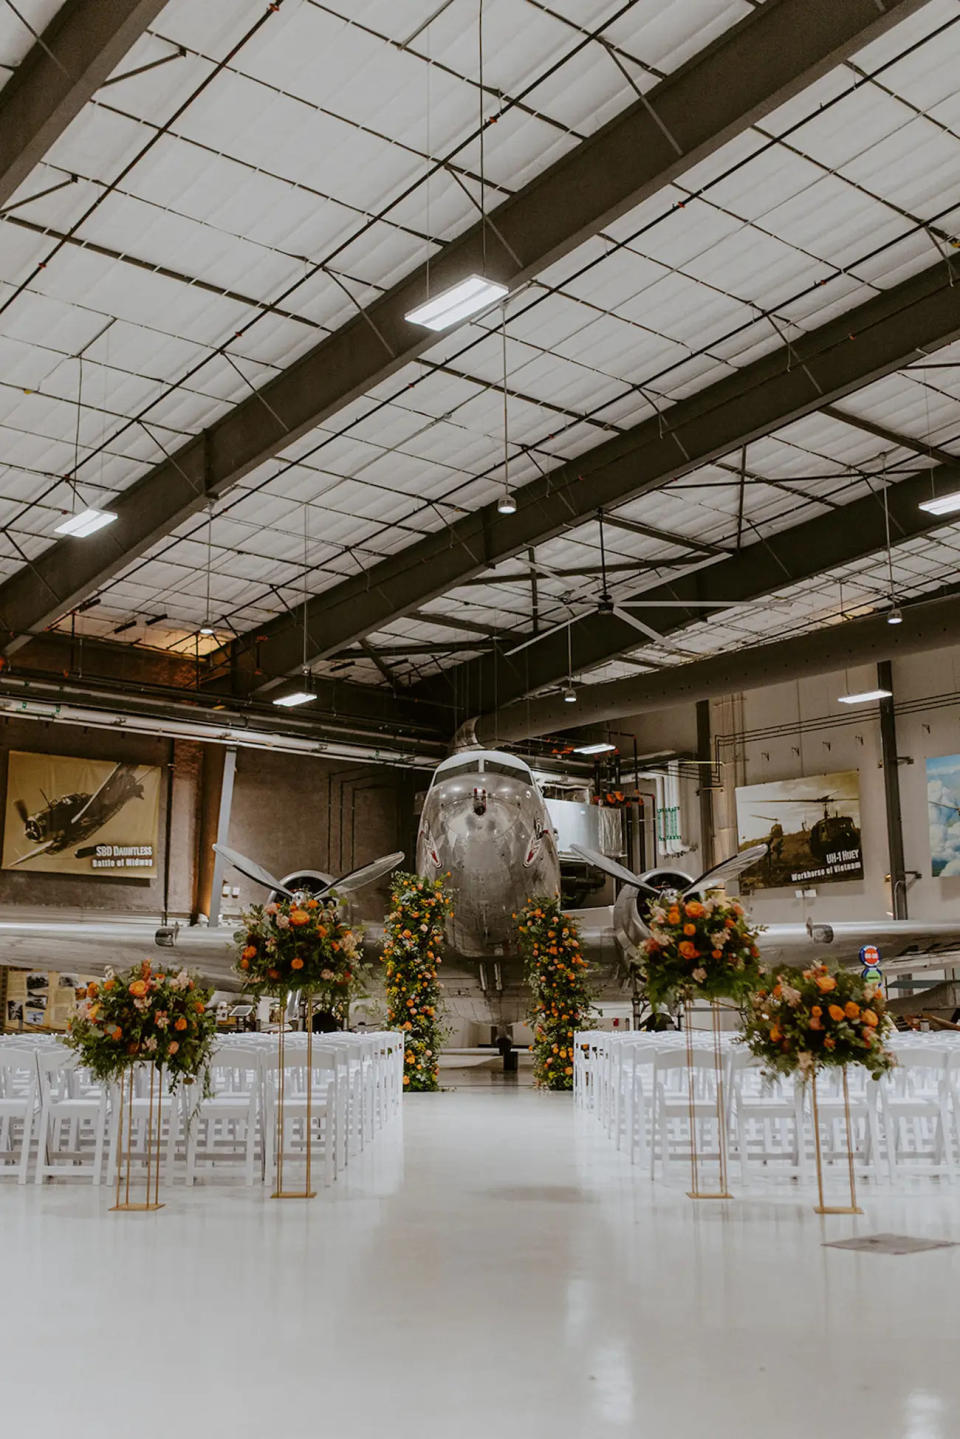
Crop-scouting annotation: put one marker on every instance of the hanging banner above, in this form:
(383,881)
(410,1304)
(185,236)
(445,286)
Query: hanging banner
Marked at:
(81,816)
(811,828)
(943,811)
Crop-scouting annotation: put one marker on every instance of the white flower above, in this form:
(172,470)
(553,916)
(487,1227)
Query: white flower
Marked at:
(109,972)
(789,994)
(719,938)
(699,975)
(182,980)
(150,1043)
(83,1010)
(141,1004)
(283,921)
(805,1061)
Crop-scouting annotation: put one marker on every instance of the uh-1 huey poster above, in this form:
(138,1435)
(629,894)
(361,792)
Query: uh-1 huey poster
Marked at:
(811,827)
(66,815)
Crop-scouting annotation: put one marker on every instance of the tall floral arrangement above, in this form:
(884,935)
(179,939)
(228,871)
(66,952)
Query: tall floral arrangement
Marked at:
(412,950)
(557,974)
(803,1020)
(144,1014)
(301,943)
(700,948)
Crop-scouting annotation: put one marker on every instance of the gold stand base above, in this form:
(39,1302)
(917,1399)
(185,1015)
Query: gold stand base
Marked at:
(835,1209)
(294,1194)
(139,1208)
(696,1194)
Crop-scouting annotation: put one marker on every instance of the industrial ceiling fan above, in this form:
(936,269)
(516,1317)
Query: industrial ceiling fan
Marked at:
(607,605)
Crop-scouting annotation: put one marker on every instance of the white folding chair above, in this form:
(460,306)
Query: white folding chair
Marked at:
(915,1104)
(223,1128)
(18,1103)
(73,1118)
(323,1107)
(766,1116)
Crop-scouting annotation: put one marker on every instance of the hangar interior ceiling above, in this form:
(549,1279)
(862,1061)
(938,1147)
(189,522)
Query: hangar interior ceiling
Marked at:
(752,371)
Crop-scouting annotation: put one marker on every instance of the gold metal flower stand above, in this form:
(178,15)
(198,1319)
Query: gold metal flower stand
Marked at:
(695,1191)
(306,1192)
(125,1184)
(821,1208)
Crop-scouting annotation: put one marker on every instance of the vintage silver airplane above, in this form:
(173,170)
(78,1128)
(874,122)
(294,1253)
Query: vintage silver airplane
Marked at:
(484,823)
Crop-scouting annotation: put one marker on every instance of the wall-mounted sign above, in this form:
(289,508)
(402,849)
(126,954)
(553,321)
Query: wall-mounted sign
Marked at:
(943,809)
(811,828)
(81,816)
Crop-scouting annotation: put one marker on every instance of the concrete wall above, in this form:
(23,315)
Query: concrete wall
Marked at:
(800,729)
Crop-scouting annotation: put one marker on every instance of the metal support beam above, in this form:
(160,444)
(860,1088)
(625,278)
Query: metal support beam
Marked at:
(878,337)
(82,44)
(891,791)
(771,55)
(223,830)
(704,793)
(891,437)
(928,624)
(759,569)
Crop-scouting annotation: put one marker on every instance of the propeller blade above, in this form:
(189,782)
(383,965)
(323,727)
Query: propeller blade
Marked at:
(357,878)
(611,867)
(22,810)
(644,629)
(535,639)
(252,870)
(728,869)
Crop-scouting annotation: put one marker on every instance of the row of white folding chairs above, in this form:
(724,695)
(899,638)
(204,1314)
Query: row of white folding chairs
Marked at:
(638,1087)
(56,1116)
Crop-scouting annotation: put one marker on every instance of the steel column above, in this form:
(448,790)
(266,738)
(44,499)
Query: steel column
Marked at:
(891,792)
(223,830)
(704,793)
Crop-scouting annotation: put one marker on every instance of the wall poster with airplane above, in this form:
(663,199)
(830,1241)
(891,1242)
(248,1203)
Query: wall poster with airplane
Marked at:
(811,827)
(943,812)
(66,815)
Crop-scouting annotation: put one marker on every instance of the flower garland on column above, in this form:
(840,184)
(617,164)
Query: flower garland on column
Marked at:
(556,972)
(413,947)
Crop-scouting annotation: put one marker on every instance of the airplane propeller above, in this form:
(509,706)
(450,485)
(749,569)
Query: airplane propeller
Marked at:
(710,879)
(346,884)
(22,810)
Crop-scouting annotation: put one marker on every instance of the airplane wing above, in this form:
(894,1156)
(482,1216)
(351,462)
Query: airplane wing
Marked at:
(104,789)
(597,936)
(86,944)
(905,945)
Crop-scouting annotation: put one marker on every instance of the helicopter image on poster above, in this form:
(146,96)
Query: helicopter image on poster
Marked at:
(67,820)
(811,827)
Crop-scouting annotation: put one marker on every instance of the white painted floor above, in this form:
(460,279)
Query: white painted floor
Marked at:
(491,1268)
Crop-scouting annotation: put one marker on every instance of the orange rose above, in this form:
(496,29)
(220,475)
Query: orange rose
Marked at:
(868,1036)
(695,909)
(138,988)
(108,984)
(313,904)
(250,952)
(816,1011)
(299,917)
(273,974)
(825,983)
(673,916)
(296,963)
(117,1033)
(829,1043)
(181,1023)
(716,954)
(870,1018)
(172,1047)
(815,1024)
(776,1033)
(689,929)
(406,1079)
(688,950)
(92,990)
(836,1013)
(244,964)
(851,1010)
(199,1006)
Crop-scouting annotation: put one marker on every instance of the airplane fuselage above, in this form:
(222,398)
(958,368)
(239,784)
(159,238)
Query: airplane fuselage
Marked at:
(485,823)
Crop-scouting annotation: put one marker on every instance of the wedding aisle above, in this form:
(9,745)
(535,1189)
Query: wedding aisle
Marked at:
(491,1267)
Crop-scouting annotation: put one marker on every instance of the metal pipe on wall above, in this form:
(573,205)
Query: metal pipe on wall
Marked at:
(891,792)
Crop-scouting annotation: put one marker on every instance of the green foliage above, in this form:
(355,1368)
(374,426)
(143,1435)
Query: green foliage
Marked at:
(556,972)
(806,1019)
(413,947)
(144,1015)
(300,943)
(700,949)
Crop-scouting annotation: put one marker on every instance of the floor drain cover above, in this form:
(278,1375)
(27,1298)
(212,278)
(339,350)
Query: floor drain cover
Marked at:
(890,1244)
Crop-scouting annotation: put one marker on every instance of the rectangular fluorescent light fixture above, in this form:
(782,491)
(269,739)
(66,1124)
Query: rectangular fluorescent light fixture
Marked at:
(942,504)
(865,697)
(594,748)
(466,298)
(87,522)
(298,697)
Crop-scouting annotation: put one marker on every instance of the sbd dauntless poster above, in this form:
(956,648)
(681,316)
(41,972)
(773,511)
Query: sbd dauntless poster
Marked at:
(811,828)
(81,816)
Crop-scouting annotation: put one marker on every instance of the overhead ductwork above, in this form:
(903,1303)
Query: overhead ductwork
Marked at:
(927,625)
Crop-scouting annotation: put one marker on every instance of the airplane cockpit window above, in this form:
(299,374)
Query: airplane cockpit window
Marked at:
(515,771)
(448,770)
